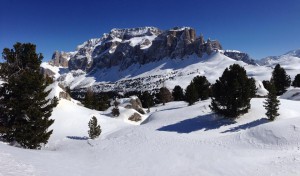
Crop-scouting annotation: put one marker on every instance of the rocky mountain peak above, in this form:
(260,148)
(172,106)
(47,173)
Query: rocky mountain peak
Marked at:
(129,33)
(124,47)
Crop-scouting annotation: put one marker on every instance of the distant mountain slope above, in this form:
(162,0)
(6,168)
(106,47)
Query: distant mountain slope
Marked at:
(291,56)
(146,58)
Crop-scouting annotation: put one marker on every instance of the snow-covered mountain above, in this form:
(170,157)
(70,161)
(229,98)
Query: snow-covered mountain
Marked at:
(287,58)
(145,58)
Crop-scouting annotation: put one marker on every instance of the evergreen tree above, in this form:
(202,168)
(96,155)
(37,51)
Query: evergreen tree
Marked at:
(177,93)
(266,84)
(115,111)
(191,94)
(94,128)
(231,94)
(165,95)
(296,82)
(202,86)
(280,80)
(147,99)
(103,102)
(89,99)
(24,109)
(272,104)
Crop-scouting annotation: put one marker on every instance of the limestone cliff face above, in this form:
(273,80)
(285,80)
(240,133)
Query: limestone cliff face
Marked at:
(60,58)
(124,47)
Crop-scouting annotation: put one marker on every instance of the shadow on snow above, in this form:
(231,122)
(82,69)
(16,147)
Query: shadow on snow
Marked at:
(247,125)
(205,122)
(78,137)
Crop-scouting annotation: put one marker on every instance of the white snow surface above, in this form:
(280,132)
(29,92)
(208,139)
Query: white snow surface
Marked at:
(173,71)
(175,140)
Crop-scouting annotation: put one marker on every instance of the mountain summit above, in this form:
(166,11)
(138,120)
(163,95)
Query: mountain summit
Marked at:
(124,47)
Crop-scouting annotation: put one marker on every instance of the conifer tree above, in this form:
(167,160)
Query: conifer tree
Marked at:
(280,79)
(24,109)
(165,95)
(115,111)
(272,103)
(296,82)
(177,93)
(89,99)
(147,99)
(191,94)
(231,94)
(94,128)
(202,86)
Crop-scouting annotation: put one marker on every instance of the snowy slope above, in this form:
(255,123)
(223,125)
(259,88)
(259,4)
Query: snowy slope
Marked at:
(289,61)
(169,71)
(172,142)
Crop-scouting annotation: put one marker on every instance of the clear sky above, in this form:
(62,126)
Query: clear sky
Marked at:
(258,27)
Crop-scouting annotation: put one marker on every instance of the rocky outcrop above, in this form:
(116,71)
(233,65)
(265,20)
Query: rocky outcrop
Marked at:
(135,117)
(239,56)
(47,72)
(124,47)
(60,58)
(136,104)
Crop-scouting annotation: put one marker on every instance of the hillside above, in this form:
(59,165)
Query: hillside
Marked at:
(171,142)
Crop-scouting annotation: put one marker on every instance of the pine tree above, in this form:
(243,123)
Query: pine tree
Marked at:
(266,84)
(272,104)
(191,94)
(177,93)
(24,109)
(94,128)
(202,86)
(231,94)
(296,82)
(89,99)
(165,95)
(147,99)
(280,80)
(115,111)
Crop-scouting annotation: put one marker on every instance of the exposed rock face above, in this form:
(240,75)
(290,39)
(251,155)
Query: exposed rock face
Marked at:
(47,72)
(60,58)
(135,117)
(239,56)
(124,47)
(135,103)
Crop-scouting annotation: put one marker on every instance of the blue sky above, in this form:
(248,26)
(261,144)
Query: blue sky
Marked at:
(260,28)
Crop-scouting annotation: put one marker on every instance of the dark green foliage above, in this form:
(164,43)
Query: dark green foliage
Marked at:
(272,104)
(231,94)
(98,101)
(147,99)
(280,80)
(202,86)
(266,84)
(177,93)
(94,128)
(165,95)
(89,99)
(115,111)
(24,109)
(191,94)
(296,82)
